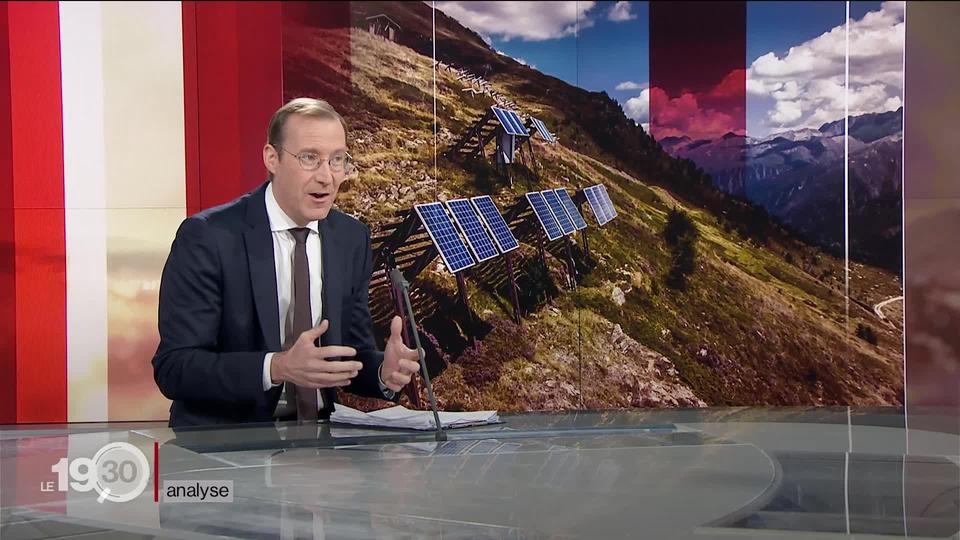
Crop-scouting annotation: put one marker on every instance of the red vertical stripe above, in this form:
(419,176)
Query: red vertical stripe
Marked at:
(260,83)
(40,253)
(309,27)
(233,83)
(698,54)
(218,102)
(8,279)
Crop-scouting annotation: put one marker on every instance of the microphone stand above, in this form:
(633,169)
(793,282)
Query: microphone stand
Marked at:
(396,276)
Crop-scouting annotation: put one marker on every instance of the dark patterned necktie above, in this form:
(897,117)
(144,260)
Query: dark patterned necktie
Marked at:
(307,405)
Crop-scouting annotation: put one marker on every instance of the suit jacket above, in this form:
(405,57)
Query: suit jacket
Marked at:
(218,313)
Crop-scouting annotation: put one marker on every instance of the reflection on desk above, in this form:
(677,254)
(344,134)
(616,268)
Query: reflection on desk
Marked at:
(706,474)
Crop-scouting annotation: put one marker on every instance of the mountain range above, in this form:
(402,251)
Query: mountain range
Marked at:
(798,176)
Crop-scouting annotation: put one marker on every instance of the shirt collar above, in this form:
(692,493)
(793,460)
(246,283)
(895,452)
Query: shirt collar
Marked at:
(279,220)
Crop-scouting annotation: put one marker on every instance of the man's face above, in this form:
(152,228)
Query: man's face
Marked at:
(304,195)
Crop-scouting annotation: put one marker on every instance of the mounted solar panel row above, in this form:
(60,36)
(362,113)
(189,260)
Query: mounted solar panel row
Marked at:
(511,122)
(543,131)
(477,237)
(546,218)
(452,250)
(571,208)
(479,221)
(494,221)
(486,231)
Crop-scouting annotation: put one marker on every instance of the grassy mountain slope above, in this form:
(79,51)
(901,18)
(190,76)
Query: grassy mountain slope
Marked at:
(763,321)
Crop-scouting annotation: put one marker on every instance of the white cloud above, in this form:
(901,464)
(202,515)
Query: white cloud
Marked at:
(785,112)
(638,108)
(630,85)
(620,12)
(807,83)
(517,59)
(529,21)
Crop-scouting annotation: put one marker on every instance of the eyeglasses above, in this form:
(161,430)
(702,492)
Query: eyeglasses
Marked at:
(311,161)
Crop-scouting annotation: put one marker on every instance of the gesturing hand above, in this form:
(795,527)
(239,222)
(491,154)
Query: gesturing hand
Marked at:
(305,364)
(399,361)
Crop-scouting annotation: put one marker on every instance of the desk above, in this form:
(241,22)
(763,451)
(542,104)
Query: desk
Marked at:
(706,473)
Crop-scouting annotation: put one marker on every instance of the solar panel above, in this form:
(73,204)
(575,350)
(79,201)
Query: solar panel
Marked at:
(571,208)
(553,201)
(607,203)
(510,121)
(477,237)
(596,204)
(517,123)
(604,206)
(543,131)
(454,253)
(494,221)
(544,215)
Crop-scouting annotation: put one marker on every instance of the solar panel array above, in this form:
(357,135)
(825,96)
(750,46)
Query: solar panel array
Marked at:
(511,122)
(477,237)
(487,232)
(544,215)
(556,207)
(571,208)
(543,131)
(494,221)
(452,250)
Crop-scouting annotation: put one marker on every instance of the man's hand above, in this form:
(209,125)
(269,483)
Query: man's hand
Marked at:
(305,364)
(399,361)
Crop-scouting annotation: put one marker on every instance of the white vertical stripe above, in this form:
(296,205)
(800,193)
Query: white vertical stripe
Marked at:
(849,430)
(81,55)
(433,26)
(846,181)
(143,113)
(903,240)
(846,490)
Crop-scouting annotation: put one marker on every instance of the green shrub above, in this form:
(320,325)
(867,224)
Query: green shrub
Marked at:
(681,234)
(866,333)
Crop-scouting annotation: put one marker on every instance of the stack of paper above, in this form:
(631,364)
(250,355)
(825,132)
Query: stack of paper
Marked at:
(404,418)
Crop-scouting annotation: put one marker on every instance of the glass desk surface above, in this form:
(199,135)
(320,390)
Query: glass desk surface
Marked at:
(704,473)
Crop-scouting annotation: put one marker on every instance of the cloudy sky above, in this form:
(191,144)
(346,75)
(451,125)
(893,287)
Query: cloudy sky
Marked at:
(610,54)
(801,85)
(794,65)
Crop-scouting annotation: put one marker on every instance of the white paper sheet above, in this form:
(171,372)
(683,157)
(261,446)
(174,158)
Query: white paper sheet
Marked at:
(404,418)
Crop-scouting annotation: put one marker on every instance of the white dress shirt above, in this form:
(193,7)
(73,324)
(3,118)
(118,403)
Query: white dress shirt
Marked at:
(283,247)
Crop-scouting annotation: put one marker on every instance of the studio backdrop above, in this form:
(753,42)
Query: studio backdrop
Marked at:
(598,204)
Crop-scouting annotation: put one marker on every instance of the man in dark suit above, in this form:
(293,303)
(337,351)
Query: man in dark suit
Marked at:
(251,287)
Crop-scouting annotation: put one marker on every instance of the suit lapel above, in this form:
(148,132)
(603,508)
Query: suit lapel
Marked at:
(263,272)
(333,279)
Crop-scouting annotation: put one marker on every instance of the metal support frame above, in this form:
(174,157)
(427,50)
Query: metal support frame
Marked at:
(583,231)
(412,390)
(513,289)
(543,252)
(571,267)
(462,292)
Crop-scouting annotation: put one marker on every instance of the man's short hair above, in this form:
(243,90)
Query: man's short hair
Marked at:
(309,107)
